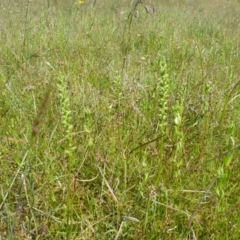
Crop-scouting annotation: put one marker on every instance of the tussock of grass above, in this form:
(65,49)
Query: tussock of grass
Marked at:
(118,124)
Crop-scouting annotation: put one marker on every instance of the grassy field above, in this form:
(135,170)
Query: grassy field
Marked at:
(117,123)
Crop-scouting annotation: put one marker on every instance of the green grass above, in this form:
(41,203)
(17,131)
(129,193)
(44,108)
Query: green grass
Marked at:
(117,127)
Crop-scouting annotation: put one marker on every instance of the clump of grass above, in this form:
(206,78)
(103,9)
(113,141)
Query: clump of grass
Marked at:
(139,136)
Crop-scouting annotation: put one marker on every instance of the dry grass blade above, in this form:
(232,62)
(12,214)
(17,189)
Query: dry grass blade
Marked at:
(14,179)
(39,119)
(108,185)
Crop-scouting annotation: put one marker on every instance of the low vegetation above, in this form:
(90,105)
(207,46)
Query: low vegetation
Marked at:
(119,122)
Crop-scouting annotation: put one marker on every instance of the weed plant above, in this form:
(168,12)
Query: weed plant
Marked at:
(119,123)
